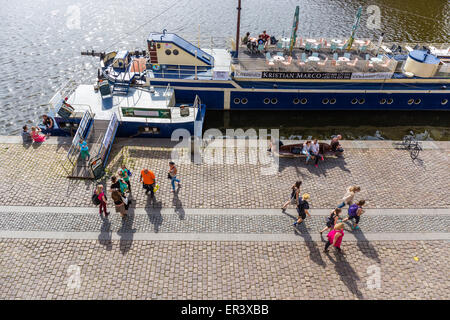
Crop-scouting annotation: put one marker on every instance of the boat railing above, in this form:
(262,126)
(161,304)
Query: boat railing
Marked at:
(64,91)
(257,65)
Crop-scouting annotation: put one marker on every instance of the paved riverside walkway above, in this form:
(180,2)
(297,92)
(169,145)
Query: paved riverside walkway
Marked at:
(388,177)
(223,236)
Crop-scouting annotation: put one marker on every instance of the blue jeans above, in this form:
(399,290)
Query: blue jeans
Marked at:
(174,179)
(341,205)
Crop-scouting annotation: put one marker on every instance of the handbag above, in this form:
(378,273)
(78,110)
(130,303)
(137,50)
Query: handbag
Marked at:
(169,176)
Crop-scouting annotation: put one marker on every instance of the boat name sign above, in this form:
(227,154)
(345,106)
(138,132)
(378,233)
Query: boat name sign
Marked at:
(306,75)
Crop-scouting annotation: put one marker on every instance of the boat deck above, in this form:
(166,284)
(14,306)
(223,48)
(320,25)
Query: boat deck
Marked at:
(85,98)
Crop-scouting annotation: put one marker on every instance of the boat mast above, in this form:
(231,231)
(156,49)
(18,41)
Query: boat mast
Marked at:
(238,27)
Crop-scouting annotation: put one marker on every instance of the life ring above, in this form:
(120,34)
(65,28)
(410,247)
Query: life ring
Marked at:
(156,67)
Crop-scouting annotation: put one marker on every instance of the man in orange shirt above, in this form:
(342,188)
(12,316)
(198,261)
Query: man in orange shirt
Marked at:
(148,181)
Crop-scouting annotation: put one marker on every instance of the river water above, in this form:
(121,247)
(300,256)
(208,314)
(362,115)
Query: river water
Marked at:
(42,40)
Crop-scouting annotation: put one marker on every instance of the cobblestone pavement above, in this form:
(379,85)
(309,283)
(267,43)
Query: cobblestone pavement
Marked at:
(259,224)
(388,178)
(46,269)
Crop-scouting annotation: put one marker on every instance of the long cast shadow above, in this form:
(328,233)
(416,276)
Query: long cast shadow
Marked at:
(105,236)
(314,251)
(347,274)
(179,210)
(153,209)
(126,232)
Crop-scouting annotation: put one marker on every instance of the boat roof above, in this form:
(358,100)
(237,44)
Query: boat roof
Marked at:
(121,54)
(183,44)
(84,97)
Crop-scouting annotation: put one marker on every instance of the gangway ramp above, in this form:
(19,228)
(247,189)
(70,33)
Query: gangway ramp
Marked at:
(100,137)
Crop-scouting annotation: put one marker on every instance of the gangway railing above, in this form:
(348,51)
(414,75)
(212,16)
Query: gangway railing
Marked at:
(81,134)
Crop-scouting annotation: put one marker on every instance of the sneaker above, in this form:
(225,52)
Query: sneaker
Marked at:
(322,158)
(107,214)
(316,165)
(295,224)
(356,228)
(325,250)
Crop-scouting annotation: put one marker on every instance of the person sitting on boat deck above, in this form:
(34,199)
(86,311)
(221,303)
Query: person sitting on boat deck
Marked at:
(306,150)
(264,36)
(335,145)
(48,124)
(246,38)
(26,137)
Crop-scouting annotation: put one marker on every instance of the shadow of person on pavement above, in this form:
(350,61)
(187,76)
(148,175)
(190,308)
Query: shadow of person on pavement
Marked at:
(365,246)
(178,205)
(126,232)
(153,209)
(346,272)
(105,236)
(314,251)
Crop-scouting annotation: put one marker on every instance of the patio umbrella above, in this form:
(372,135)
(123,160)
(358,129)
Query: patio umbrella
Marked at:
(294,30)
(355,26)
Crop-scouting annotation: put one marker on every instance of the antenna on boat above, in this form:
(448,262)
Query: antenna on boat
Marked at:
(237,28)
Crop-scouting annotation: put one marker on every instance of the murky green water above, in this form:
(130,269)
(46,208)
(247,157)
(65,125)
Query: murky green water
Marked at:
(42,40)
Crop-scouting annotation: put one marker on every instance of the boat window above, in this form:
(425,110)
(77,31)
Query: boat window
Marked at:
(333,101)
(410,101)
(390,101)
(158,45)
(382,101)
(444,102)
(325,101)
(304,101)
(168,52)
(237,100)
(354,101)
(244,101)
(266,101)
(296,101)
(175,52)
(274,101)
(417,101)
(362,101)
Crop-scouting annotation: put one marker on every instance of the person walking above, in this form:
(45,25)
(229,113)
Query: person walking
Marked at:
(335,237)
(148,181)
(354,212)
(84,150)
(123,185)
(119,203)
(173,175)
(102,198)
(126,176)
(349,196)
(293,199)
(332,220)
(302,209)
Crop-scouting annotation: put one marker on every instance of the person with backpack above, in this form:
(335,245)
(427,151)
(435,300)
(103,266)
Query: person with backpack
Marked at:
(302,209)
(126,176)
(293,199)
(335,237)
(354,212)
(122,184)
(332,220)
(102,200)
(349,196)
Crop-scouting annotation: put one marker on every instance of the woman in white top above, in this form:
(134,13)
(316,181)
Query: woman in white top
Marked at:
(306,150)
(314,150)
(349,196)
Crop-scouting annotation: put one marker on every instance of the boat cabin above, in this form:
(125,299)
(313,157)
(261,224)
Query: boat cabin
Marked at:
(121,61)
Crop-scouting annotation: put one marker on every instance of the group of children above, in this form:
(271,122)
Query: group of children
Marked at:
(334,222)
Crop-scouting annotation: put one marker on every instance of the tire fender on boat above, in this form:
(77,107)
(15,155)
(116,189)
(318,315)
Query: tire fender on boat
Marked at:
(156,67)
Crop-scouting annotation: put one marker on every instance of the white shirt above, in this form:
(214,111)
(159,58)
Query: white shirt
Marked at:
(315,147)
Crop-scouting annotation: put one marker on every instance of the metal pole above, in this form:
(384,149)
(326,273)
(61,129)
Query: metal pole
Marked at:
(238,27)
